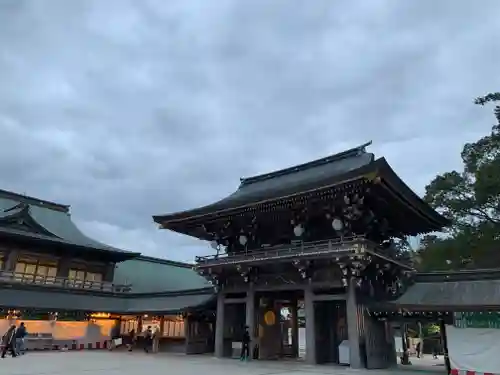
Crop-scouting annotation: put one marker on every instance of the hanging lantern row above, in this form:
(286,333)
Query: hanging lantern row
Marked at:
(407,313)
(340,224)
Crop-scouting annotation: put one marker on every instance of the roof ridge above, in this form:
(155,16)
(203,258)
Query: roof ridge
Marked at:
(300,167)
(164,261)
(22,198)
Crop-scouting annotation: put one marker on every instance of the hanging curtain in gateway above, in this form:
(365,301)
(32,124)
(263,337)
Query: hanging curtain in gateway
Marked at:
(474,349)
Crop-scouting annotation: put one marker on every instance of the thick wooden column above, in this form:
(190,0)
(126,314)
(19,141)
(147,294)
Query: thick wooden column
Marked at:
(139,325)
(11,260)
(250,319)
(219,326)
(109,272)
(353,328)
(187,334)
(295,329)
(162,325)
(442,329)
(63,266)
(310,326)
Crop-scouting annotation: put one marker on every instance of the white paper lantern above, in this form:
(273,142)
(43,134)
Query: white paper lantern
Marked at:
(337,224)
(243,240)
(298,230)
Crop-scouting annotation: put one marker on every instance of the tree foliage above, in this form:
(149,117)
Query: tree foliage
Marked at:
(470,198)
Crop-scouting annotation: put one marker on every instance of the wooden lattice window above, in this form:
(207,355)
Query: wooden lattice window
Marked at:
(83,275)
(36,271)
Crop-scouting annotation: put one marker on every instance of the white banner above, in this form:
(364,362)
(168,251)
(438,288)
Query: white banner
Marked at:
(474,349)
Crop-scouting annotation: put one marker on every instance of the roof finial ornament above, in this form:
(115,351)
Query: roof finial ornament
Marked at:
(363,147)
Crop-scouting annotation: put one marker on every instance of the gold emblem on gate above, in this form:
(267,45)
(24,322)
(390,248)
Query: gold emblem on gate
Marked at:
(270,318)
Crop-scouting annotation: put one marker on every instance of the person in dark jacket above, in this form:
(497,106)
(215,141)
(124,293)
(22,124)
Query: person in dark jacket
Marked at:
(20,335)
(8,341)
(148,339)
(245,345)
(418,349)
(130,339)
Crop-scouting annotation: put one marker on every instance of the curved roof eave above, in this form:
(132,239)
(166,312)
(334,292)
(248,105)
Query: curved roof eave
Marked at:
(119,255)
(273,188)
(384,168)
(380,166)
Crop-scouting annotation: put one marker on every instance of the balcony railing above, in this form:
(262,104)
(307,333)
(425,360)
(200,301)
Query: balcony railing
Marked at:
(62,282)
(326,248)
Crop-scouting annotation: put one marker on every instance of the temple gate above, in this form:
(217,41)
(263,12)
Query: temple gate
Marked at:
(322,235)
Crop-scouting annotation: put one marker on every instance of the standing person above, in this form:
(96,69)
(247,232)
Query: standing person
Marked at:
(148,339)
(20,335)
(417,349)
(8,341)
(130,339)
(435,352)
(245,345)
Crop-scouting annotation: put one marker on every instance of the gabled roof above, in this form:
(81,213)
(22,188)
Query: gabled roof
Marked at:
(333,170)
(28,217)
(153,275)
(461,291)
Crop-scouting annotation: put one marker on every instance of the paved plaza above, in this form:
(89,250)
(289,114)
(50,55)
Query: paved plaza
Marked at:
(122,363)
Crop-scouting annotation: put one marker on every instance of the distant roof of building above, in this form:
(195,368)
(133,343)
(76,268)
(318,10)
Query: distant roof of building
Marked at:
(453,290)
(154,275)
(28,217)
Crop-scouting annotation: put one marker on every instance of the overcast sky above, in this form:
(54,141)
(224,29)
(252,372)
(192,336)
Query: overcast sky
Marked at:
(125,109)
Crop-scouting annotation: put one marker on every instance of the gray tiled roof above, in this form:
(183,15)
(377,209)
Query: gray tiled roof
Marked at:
(463,294)
(344,167)
(54,219)
(315,174)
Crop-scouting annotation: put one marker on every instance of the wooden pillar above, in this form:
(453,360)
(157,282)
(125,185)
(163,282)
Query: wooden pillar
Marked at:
(109,272)
(219,326)
(139,325)
(353,329)
(11,260)
(188,333)
(405,356)
(63,266)
(442,329)
(162,325)
(250,319)
(295,328)
(310,326)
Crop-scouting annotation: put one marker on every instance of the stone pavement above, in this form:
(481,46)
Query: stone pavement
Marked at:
(137,363)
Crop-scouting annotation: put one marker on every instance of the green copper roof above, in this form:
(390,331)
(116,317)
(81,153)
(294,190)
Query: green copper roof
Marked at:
(151,275)
(44,220)
(41,298)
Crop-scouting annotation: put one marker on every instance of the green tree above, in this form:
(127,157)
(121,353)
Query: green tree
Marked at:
(471,200)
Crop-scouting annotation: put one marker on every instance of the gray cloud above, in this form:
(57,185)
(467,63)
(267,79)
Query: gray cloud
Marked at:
(126,109)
